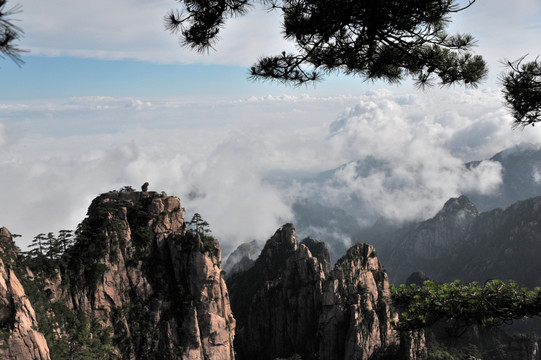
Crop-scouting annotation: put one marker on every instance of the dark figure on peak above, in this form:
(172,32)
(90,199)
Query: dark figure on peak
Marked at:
(144,187)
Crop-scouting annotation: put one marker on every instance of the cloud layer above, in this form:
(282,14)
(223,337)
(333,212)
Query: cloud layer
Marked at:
(55,157)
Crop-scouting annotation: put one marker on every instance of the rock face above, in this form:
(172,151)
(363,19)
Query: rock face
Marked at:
(432,239)
(18,337)
(159,288)
(356,307)
(499,244)
(278,300)
(287,304)
(460,243)
(145,287)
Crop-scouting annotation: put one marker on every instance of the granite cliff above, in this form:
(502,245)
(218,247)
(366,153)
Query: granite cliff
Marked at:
(136,283)
(19,338)
(460,243)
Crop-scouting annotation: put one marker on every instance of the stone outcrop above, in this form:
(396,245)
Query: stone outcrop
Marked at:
(19,338)
(159,287)
(356,307)
(137,272)
(278,300)
(288,303)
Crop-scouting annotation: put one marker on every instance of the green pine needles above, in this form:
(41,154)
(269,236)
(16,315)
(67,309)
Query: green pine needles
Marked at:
(375,40)
(493,304)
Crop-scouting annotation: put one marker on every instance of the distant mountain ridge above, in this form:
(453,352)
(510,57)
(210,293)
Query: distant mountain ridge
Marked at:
(353,220)
(521,177)
(461,243)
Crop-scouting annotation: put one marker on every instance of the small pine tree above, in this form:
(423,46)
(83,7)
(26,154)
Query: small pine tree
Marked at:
(200,226)
(38,246)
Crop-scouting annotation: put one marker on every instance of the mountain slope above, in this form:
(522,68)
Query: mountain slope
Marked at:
(460,243)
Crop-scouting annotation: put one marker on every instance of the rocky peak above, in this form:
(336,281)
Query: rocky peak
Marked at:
(272,260)
(453,220)
(458,211)
(356,315)
(277,301)
(18,324)
(157,286)
(299,308)
(243,257)
(7,246)
(284,239)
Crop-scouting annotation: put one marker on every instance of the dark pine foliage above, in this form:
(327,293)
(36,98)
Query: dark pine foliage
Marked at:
(375,40)
(10,33)
(522,91)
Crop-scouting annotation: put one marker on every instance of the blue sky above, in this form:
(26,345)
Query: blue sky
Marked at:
(107,98)
(43,77)
(60,77)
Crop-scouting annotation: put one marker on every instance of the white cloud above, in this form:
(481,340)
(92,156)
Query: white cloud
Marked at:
(125,29)
(415,150)
(134,29)
(3,137)
(70,151)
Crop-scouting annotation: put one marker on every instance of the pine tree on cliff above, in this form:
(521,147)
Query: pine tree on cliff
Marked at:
(200,226)
(38,246)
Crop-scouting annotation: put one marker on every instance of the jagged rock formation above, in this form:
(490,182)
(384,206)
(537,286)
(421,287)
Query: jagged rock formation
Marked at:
(18,337)
(356,307)
(287,304)
(319,250)
(278,300)
(498,244)
(137,270)
(502,244)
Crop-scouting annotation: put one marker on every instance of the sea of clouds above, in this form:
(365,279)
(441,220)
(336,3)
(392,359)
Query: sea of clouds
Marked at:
(217,155)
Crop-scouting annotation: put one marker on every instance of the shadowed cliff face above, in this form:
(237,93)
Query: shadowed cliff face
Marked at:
(289,302)
(157,286)
(431,239)
(18,339)
(461,243)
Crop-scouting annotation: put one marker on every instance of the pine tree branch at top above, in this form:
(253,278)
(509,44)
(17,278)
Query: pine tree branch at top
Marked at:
(374,40)
(522,90)
(10,34)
